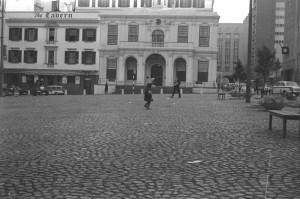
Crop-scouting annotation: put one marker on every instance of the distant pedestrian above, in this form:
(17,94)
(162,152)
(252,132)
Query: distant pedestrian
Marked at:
(176,87)
(106,88)
(148,94)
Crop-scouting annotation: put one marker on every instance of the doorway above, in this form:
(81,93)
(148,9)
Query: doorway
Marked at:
(157,73)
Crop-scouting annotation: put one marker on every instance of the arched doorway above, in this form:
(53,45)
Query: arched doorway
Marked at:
(157,73)
(155,67)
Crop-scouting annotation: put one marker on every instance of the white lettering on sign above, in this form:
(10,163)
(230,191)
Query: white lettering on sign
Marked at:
(53,15)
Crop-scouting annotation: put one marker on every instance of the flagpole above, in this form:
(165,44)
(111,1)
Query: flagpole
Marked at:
(1,63)
(248,84)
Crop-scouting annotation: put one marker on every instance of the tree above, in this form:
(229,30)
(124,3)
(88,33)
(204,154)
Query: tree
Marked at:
(276,67)
(265,64)
(239,73)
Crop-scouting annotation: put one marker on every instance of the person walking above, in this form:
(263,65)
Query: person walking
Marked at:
(148,94)
(176,87)
(106,88)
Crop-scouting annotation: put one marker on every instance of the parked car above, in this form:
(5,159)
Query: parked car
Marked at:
(286,87)
(55,90)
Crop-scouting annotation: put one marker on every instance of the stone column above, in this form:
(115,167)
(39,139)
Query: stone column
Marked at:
(140,71)
(131,5)
(170,71)
(139,4)
(212,69)
(96,3)
(120,70)
(110,3)
(117,3)
(189,72)
(102,68)
(91,3)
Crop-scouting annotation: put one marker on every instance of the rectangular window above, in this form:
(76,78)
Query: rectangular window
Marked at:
(186,4)
(227,49)
(183,32)
(111,69)
(31,34)
(15,34)
(55,6)
(133,33)
(220,48)
(89,35)
(124,3)
(88,57)
(103,3)
(51,57)
(51,36)
(199,4)
(204,36)
(72,34)
(146,3)
(71,57)
(202,71)
(14,56)
(112,37)
(30,56)
(235,51)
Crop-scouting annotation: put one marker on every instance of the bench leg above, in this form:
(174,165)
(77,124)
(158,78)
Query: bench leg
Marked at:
(284,128)
(270,122)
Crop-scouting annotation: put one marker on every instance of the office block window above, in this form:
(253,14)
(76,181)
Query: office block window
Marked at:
(71,57)
(30,56)
(235,48)
(227,48)
(31,34)
(15,34)
(112,37)
(72,34)
(88,57)
(89,35)
(111,69)
(204,36)
(133,33)
(183,32)
(14,56)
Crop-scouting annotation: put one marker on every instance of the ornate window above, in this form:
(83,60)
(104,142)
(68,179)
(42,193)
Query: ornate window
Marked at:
(158,38)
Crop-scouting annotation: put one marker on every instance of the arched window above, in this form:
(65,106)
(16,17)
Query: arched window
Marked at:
(158,38)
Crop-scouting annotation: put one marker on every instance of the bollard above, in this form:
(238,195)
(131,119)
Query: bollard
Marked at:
(201,91)
(122,92)
(161,91)
(181,91)
(28,92)
(142,91)
(66,92)
(84,92)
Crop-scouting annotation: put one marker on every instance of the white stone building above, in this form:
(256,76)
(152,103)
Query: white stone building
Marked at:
(114,41)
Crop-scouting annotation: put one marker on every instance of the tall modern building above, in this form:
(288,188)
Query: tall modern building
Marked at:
(232,43)
(291,58)
(267,28)
(114,41)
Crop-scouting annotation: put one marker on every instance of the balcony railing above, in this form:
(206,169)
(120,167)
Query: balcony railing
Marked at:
(156,45)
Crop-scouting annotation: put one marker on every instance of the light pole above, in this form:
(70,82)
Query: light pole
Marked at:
(248,84)
(1,63)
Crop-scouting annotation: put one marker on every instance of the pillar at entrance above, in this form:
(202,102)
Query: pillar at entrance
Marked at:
(169,72)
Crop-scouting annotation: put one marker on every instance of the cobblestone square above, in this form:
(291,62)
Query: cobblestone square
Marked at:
(111,147)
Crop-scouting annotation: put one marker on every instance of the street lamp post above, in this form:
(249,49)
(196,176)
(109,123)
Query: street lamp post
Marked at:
(248,84)
(1,63)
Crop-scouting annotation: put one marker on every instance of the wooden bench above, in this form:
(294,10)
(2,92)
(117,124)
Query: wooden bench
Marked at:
(222,95)
(285,115)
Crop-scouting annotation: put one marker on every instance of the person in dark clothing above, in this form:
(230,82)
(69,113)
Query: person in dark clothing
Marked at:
(106,88)
(176,87)
(148,94)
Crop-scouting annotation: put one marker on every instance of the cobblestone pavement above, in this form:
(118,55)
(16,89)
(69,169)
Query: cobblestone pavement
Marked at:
(110,146)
